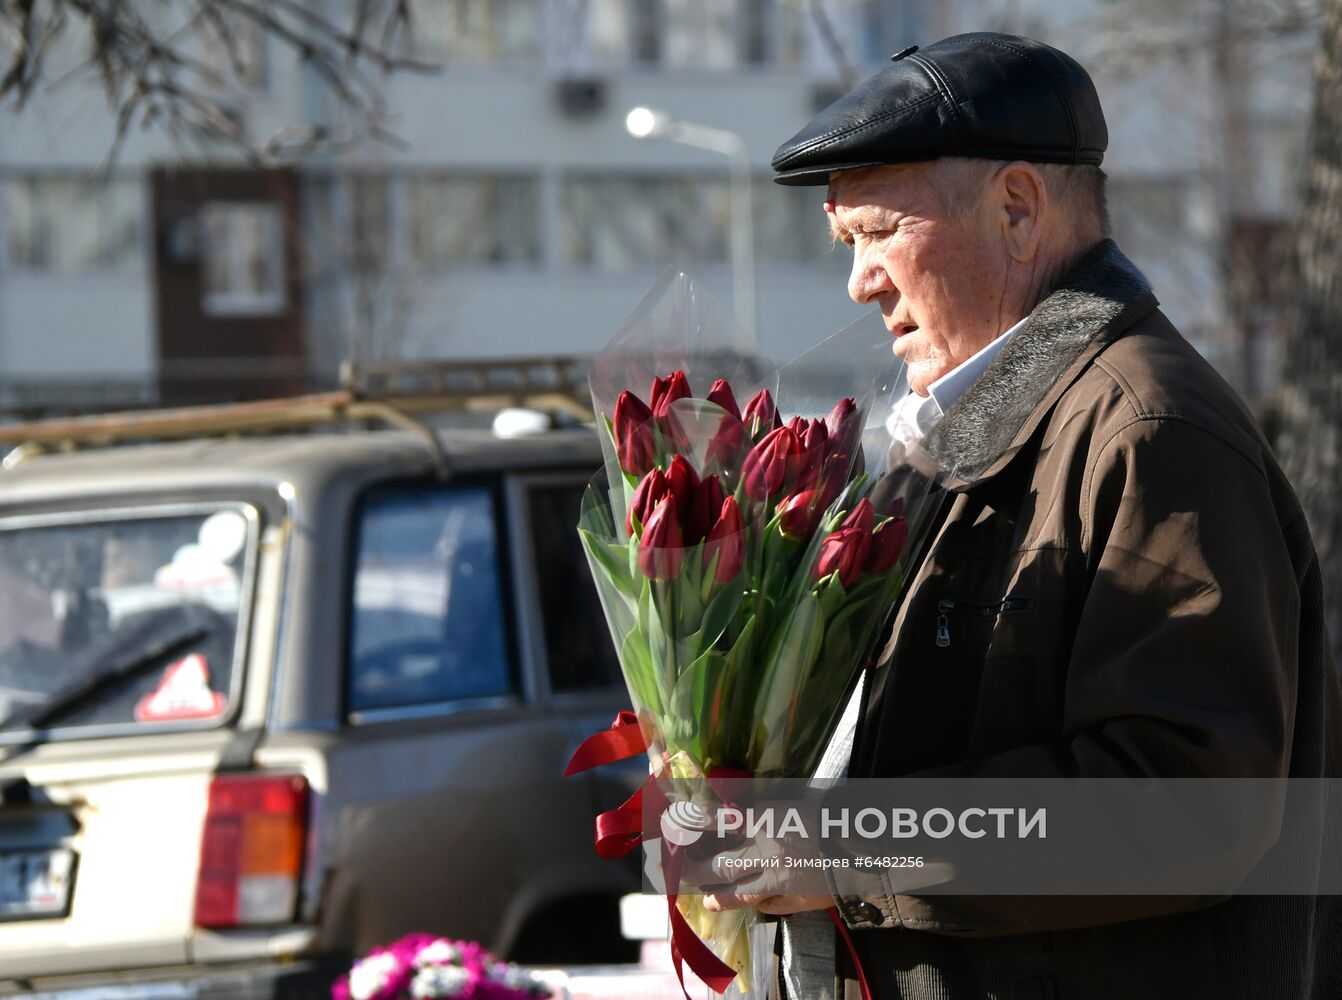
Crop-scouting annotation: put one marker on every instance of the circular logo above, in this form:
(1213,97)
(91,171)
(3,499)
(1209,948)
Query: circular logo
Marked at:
(683,823)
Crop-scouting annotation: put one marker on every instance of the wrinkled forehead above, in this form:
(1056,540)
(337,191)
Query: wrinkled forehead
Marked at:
(888,186)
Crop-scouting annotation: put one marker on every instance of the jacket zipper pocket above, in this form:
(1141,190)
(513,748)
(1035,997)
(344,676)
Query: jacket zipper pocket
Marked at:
(947,607)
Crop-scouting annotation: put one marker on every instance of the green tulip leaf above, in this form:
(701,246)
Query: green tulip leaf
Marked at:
(611,559)
(697,703)
(791,659)
(639,672)
(718,615)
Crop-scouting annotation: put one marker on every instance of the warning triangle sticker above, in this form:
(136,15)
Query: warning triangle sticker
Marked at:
(183,693)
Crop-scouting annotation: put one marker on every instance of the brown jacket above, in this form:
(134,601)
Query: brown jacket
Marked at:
(1133,591)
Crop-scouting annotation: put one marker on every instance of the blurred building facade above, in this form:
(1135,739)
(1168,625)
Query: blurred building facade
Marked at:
(517,217)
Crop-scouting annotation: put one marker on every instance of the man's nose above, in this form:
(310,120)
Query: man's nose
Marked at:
(868,278)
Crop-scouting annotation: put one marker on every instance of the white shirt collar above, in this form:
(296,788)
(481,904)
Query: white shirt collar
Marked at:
(915,415)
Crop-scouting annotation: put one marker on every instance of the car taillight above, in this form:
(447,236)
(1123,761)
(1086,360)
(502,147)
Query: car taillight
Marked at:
(251,851)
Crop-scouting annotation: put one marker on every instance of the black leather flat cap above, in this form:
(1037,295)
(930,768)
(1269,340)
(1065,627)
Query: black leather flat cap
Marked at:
(998,97)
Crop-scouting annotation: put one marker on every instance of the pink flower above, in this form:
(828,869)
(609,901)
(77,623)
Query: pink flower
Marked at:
(430,966)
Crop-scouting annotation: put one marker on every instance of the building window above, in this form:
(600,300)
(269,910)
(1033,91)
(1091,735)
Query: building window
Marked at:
(698,33)
(475,31)
(604,31)
(370,228)
(693,34)
(243,258)
(616,222)
(428,618)
(457,220)
(74,223)
(878,28)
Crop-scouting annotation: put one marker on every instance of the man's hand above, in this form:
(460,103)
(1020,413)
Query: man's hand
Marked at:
(778,905)
(731,882)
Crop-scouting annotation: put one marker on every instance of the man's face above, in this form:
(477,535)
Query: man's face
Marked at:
(939,281)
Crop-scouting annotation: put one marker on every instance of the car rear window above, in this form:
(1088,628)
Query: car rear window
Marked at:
(121,618)
(428,615)
(577,642)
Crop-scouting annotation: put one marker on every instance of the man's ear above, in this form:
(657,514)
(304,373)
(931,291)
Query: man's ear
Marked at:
(1023,200)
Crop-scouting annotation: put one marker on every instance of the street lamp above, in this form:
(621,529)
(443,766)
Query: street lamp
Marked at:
(646,123)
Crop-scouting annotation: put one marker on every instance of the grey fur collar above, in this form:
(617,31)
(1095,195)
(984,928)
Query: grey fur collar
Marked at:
(983,424)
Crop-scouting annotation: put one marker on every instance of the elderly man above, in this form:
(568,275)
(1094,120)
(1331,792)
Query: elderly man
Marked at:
(1121,581)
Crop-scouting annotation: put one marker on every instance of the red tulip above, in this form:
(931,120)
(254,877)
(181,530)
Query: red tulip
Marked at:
(725,446)
(843,425)
(815,436)
(727,540)
(632,428)
(721,393)
(684,481)
(772,464)
(760,415)
(664,393)
(651,488)
(832,477)
(661,547)
(797,426)
(799,514)
(703,510)
(862,516)
(815,448)
(887,542)
(843,552)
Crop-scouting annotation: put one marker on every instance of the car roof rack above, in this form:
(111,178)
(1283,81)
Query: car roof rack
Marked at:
(393,392)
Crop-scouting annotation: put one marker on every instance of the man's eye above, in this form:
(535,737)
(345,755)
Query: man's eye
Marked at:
(867,235)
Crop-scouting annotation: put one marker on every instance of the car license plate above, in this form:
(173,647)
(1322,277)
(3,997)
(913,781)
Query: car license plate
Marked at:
(35,883)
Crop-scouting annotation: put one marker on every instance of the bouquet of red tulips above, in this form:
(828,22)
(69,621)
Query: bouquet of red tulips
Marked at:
(743,582)
(743,568)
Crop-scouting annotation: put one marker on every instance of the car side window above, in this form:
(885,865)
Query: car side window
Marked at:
(428,619)
(577,642)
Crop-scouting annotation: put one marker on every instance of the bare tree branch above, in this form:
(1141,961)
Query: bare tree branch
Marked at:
(152,63)
(833,45)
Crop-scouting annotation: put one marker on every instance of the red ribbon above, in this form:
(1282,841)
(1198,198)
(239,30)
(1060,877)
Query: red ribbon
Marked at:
(624,739)
(686,946)
(620,830)
(852,951)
